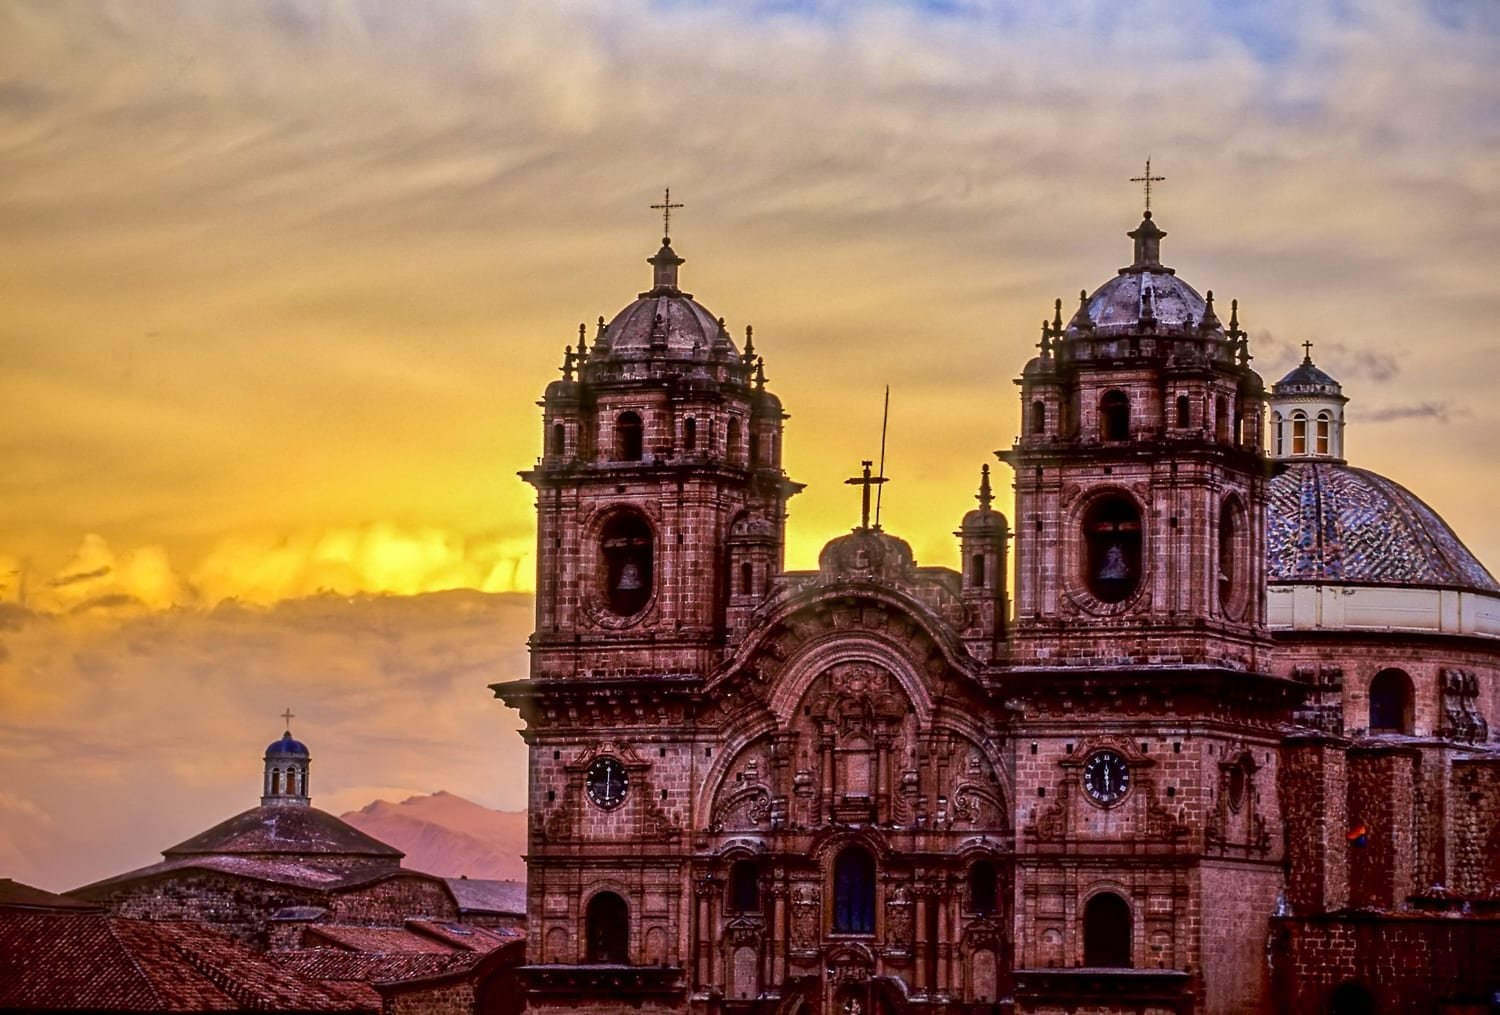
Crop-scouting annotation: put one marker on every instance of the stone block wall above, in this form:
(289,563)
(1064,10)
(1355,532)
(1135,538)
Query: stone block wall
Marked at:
(1407,963)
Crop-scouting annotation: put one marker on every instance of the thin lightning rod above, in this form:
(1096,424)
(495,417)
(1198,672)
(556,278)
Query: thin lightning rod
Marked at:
(885,418)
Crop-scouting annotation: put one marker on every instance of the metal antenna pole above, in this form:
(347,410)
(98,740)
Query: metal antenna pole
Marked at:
(885,418)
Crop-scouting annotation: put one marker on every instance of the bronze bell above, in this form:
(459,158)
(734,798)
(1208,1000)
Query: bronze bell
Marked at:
(630,578)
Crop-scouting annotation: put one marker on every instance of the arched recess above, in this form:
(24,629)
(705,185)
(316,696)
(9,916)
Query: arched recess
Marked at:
(629,437)
(1114,416)
(1391,702)
(853,891)
(1107,932)
(607,930)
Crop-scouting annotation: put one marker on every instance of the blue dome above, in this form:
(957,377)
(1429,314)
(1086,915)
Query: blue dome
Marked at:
(287,747)
(1333,523)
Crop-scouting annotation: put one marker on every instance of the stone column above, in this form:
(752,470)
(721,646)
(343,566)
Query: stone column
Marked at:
(921,945)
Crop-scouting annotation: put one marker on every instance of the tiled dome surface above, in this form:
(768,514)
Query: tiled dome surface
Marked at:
(1334,523)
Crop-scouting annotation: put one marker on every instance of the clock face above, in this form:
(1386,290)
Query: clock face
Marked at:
(1106,777)
(606,783)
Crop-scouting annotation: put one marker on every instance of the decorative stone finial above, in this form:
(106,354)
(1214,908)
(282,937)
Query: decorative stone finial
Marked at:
(1057,325)
(583,345)
(984,496)
(748,356)
(760,373)
(1210,319)
(1082,320)
(567,365)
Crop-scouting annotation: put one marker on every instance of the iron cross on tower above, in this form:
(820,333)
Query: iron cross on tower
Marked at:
(288,716)
(1147,179)
(665,208)
(865,481)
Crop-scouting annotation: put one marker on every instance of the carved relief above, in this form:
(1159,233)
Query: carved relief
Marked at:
(805,902)
(898,919)
(1462,719)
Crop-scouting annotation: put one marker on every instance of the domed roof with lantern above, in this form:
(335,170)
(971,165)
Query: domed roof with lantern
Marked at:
(666,325)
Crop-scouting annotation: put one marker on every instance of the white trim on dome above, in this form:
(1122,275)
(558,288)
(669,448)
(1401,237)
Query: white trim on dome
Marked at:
(1309,607)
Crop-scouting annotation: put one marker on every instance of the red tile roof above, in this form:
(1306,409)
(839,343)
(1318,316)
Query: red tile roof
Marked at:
(86,960)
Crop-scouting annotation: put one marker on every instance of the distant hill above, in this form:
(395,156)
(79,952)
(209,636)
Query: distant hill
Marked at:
(449,836)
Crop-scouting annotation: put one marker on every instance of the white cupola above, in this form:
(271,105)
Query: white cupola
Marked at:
(1307,414)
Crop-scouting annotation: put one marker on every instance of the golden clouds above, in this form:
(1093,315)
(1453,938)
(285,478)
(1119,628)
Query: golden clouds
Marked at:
(381,558)
(299,268)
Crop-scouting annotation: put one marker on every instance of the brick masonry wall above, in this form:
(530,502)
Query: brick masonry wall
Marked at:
(1407,963)
(1237,898)
(449,999)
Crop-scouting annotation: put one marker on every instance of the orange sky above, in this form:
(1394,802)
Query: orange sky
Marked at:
(282,283)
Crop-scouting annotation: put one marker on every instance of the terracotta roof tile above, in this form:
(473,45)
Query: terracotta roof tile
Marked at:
(63,960)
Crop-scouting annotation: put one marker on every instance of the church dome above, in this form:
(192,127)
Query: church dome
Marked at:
(286,747)
(1306,379)
(1151,296)
(1330,522)
(665,322)
(1145,294)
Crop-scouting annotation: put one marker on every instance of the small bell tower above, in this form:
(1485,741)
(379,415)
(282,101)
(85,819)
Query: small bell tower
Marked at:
(287,764)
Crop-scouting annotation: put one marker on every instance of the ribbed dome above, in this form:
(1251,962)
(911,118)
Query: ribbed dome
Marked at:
(1129,300)
(287,747)
(1329,522)
(672,323)
(1306,379)
(665,323)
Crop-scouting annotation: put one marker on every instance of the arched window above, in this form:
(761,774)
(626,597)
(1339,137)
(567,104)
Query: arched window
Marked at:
(1232,549)
(1184,411)
(1038,417)
(607,930)
(1114,416)
(1277,434)
(732,441)
(1325,425)
(559,439)
(627,560)
(291,781)
(747,578)
(754,448)
(1106,932)
(1299,433)
(744,887)
(854,892)
(1112,545)
(629,441)
(275,782)
(982,888)
(976,570)
(690,434)
(1391,702)
(1221,419)
(1239,782)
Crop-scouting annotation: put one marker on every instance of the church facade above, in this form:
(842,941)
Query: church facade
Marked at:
(1130,782)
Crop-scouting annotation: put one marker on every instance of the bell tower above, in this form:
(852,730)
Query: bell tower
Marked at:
(661,503)
(661,512)
(1144,731)
(1140,478)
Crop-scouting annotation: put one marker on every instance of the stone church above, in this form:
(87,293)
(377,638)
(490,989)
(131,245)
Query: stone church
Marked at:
(1221,744)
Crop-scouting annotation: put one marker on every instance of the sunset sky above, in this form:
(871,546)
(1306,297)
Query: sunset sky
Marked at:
(282,281)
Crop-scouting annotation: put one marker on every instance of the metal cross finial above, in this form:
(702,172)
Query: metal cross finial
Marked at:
(866,480)
(288,716)
(665,208)
(1147,179)
(1307,350)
